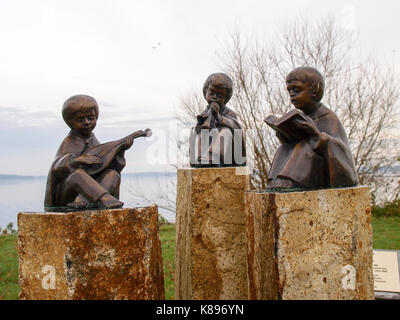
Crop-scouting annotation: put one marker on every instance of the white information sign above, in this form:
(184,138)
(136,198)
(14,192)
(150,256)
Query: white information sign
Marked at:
(386,270)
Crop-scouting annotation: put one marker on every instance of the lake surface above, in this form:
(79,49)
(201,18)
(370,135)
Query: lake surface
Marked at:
(27,194)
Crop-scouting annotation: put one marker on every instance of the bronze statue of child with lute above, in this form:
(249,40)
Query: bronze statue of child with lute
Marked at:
(86,174)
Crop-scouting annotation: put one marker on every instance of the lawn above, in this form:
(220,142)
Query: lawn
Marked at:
(386,233)
(167,238)
(386,236)
(8,267)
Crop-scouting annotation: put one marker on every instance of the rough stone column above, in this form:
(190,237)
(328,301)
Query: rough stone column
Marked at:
(310,245)
(210,258)
(103,254)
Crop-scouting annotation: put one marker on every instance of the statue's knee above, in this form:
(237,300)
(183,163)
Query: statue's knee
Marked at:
(75,176)
(114,175)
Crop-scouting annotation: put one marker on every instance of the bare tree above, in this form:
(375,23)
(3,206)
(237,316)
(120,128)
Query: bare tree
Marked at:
(162,193)
(363,94)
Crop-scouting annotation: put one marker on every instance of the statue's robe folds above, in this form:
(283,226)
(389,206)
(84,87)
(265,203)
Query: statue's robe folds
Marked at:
(225,131)
(323,164)
(64,182)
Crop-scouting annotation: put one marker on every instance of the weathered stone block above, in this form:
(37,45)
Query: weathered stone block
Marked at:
(310,245)
(210,260)
(100,254)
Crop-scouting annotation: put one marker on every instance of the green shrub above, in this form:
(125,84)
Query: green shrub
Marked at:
(9,229)
(389,209)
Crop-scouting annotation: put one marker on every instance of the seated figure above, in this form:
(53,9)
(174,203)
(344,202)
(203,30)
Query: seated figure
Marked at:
(78,178)
(217,140)
(314,151)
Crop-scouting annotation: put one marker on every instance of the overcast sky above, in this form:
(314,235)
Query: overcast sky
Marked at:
(136,58)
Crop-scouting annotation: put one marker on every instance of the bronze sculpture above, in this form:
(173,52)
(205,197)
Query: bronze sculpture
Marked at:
(217,140)
(314,151)
(86,174)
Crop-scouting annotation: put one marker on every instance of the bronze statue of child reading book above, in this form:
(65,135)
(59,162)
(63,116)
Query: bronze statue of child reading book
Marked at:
(86,174)
(314,151)
(217,139)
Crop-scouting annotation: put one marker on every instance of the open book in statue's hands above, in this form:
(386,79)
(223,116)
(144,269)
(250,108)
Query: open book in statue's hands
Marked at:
(288,125)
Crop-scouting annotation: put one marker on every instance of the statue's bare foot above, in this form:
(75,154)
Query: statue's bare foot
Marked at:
(108,201)
(80,202)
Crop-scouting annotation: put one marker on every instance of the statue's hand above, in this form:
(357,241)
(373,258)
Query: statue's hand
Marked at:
(87,159)
(214,108)
(308,126)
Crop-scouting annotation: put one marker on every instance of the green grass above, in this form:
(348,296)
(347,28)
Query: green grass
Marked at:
(9,287)
(386,233)
(167,238)
(386,236)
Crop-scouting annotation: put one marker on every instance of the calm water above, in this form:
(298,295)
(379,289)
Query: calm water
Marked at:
(18,195)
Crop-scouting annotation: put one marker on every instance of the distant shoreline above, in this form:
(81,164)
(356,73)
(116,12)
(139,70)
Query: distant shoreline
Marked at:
(136,174)
(388,172)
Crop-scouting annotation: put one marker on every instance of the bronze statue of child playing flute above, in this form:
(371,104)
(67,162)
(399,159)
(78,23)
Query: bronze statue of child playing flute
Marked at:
(218,139)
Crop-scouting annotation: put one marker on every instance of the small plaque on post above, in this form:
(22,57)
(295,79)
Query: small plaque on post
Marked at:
(386,274)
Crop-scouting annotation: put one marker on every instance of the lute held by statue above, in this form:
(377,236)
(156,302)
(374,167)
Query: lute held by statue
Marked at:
(106,152)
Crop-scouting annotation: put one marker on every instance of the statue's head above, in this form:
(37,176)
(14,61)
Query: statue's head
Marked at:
(305,86)
(81,112)
(218,88)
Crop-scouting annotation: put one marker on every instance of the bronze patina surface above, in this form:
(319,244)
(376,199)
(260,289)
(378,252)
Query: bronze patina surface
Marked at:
(86,174)
(314,151)
(218,135)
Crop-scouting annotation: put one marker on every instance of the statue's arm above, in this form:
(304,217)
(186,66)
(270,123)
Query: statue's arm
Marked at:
(229,121)
(200,119)
(62,166)
(202,116)
(333,146)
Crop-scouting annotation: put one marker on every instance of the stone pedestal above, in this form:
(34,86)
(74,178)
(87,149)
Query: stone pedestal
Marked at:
(210,258)
(103,254)
(310,245)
